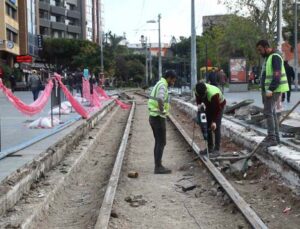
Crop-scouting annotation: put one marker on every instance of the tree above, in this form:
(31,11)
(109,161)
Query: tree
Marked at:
(262,12)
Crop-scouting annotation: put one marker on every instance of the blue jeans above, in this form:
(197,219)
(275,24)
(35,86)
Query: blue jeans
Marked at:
(35,92)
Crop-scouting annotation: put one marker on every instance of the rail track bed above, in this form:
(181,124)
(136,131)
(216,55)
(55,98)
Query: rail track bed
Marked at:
(82,192)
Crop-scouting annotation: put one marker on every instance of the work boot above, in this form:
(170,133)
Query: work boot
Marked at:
(162,170)
(214,153)
(204,151)
(269,141)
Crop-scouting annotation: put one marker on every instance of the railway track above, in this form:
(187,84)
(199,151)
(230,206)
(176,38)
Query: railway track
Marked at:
(81,192)
(71,194)
(250,215)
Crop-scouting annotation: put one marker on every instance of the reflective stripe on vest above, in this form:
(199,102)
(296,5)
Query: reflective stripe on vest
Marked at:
(153,100)
(283,85)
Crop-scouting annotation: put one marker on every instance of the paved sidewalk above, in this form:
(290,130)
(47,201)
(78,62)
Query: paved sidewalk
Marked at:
(15,133)
(256,96)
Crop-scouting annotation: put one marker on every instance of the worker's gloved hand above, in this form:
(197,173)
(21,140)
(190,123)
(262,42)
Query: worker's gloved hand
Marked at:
(201,107)
(213,126)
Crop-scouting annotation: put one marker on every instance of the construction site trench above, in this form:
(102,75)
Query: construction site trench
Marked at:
(70,195)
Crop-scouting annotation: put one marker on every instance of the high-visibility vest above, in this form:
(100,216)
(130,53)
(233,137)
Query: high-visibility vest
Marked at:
(212,90)
(153,100)
(283,85)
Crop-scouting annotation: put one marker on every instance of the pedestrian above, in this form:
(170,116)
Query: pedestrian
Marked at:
(34,82)
(290,74)
(221,79)
(78,82)
(212,78)
(12,81)
(158,105)
(214,102)
(273,83)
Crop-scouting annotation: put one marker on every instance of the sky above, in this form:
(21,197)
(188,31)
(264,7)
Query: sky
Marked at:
(131,16)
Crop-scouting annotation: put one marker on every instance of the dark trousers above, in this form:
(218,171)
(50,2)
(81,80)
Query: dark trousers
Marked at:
(288,93)
(158,125)
(217,132)
(35,93)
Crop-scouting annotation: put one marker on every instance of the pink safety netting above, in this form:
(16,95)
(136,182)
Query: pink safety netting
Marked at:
(123,105)
(92,98)
(77,106)
(34,108)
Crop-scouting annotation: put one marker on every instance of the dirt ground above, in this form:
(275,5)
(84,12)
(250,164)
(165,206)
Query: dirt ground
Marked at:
(264,191)
(77,203)
(158,201)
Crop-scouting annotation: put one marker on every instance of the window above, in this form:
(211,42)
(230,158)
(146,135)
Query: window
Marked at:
(52,18)
(11,36)
(44,31)
(12,12)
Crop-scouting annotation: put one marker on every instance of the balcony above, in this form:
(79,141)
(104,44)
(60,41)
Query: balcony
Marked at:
(74,29)
(45,22)
(58,26)
(58,10)
(73,14)
(44,6)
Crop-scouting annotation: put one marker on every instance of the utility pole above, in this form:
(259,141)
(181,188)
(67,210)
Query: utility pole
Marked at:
(159,49)
(150,63)
(144,45)
(279,26)
(193,49)
(296,45)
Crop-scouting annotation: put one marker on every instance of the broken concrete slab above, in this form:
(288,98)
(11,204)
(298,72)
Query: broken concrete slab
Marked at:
(232,108)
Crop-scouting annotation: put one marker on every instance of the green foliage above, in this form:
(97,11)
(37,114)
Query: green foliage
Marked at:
(7,72)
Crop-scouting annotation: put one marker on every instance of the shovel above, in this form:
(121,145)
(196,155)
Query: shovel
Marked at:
(242,165)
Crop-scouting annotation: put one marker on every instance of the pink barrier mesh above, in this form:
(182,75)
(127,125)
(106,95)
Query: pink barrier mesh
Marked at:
(101,92)
(77,106)
(36,107)
(86,90)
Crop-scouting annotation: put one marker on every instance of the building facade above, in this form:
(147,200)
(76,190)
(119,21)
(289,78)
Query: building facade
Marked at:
(60,19)
(9,31)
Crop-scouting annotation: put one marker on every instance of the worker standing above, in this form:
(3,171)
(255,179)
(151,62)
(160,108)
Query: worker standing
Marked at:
(158,105)
(212,98)
(273,83)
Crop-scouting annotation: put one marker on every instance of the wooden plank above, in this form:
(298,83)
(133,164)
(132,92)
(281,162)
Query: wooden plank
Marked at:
(243,206)
(105,210)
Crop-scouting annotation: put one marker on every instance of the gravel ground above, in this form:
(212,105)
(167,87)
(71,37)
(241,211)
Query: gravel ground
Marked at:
(158,201)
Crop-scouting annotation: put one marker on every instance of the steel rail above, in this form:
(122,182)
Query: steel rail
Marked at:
(249,214)
(105,210)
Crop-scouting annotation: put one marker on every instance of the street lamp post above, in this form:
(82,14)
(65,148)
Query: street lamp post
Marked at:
(159,46)
(144,45)
(159,49)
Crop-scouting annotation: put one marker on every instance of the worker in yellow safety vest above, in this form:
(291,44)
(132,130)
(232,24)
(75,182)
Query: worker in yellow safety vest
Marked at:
(273,83)
(158,106)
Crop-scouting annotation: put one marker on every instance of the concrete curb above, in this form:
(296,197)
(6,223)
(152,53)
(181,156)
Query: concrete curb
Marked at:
(19,182)
(281,159)
(43,207)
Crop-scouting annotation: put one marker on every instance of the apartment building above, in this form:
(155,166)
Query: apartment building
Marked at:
(9,31)
(60,19)
(29,27)
(74,19)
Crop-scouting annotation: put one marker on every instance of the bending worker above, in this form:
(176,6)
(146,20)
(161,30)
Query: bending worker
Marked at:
(158,105)
(214,102)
